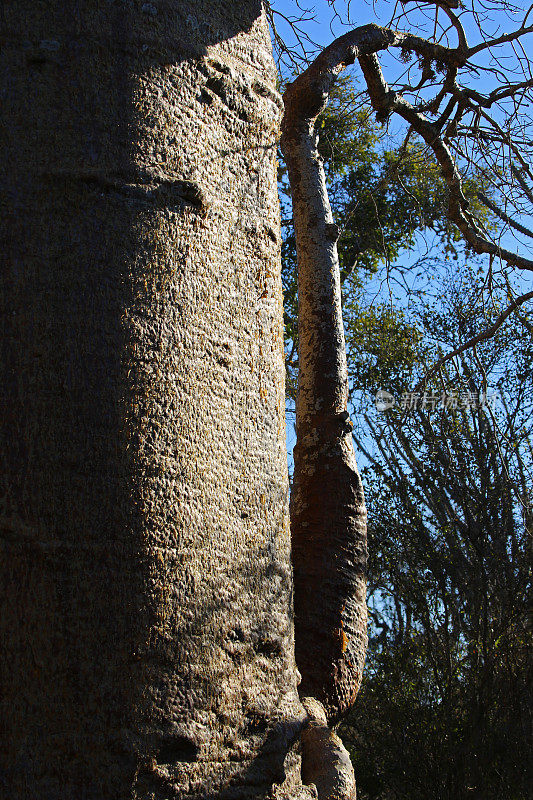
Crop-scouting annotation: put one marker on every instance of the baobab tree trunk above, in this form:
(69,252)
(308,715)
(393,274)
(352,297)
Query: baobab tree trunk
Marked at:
(145,582)
(328,516)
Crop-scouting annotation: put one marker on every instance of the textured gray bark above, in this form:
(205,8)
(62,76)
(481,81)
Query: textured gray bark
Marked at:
(145,583)
(326,762)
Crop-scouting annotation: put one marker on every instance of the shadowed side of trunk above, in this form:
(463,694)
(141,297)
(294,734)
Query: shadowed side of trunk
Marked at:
(145,575)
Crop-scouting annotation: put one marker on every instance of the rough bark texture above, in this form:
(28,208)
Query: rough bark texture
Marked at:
(326,762)
(145,579)
(328,517)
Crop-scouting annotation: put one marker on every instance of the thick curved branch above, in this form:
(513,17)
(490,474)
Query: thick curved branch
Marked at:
(308,95)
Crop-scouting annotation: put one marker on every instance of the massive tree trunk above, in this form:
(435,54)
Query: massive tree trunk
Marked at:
(145,578)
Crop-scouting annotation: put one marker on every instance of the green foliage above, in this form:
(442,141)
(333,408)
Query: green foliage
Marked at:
(383,347)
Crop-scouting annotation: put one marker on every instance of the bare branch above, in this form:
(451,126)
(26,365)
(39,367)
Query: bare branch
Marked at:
(496,95)
(503,216)
(481,337)
(523,185)
(505,38)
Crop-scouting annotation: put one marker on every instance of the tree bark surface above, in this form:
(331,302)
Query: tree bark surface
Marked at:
(328,516)
(145,583)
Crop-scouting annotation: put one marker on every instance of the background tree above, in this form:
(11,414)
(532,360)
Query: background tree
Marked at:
(446,710)
(328,536)
(428,695)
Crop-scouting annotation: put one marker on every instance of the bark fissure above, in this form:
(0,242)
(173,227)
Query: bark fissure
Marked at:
(151,188)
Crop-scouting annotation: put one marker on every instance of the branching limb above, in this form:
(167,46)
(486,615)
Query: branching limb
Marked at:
(385,102)
(307,96)
(481,337)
